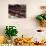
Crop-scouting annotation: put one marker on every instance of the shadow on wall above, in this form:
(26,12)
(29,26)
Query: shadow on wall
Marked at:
(2,29)
(34,22)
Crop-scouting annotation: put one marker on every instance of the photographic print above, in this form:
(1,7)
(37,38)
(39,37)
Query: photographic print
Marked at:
(17,11)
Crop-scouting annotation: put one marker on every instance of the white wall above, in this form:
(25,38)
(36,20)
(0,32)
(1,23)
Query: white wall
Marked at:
(24,26)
